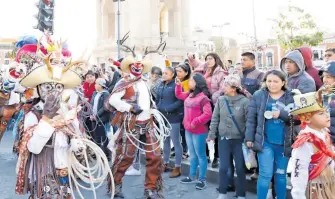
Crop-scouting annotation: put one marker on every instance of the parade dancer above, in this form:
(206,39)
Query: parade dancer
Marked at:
(51,142)
(139,123)
(313,154)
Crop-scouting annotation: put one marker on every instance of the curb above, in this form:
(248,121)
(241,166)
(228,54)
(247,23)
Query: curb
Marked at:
(213,175)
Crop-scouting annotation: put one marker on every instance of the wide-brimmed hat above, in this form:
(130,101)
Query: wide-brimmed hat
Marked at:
(126,62)
(306,103)
(55,68)
(57,74)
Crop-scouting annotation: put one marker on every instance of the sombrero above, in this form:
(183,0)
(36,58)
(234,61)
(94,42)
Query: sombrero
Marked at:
(54,70)
(306,103)
(126,62)
(42,74)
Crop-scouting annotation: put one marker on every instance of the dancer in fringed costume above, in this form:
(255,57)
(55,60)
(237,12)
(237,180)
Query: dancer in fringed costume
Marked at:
(139,123)
(313,155)
(9,100)
(52,140)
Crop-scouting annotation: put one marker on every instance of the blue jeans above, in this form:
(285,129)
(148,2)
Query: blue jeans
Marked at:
(175,137)
(196,144)
(228,148)
(272,162)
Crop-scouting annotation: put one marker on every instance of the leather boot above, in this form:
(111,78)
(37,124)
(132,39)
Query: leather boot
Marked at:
(175,172)
(118,191)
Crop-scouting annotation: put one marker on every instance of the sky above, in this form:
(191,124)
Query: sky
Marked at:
(75,19)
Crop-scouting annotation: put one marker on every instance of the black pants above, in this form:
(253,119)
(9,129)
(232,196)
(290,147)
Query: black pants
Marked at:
(216,149)
(98,134)
(227,148)
(183,139)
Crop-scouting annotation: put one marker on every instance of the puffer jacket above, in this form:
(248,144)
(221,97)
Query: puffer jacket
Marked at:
(256,121)
(167,102)
(307,53)
(216,80)
(197,111)
(222,123)
(301,80)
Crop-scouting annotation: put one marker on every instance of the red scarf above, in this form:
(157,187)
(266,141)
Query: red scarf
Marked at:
(320,158)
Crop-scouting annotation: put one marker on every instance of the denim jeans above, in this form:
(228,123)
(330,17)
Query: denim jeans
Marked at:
(272,162)
(228,148)
(175,137)
(197,147)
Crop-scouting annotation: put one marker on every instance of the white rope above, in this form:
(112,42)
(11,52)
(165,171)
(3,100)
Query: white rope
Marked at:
(161,131)
(95,174)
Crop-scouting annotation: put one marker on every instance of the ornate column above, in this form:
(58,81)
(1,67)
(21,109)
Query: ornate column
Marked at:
(186,19)
(99,8)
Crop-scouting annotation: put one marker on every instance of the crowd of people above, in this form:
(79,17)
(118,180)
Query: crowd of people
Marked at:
(231,106)
(282,115)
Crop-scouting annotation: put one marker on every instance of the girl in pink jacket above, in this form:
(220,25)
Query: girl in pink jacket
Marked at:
(197,113)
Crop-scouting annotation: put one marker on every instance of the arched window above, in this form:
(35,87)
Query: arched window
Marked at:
(259,59)
(269,59)
(164,20)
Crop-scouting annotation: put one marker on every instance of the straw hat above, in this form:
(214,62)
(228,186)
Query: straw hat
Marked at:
(126,62)
(306,103)
(42,74)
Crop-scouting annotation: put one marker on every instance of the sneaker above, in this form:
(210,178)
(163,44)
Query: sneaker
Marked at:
(231,188)
(201,184)
(215,163)
(185,155)
(131,171)
(188,180)
(254,176)
(269,195)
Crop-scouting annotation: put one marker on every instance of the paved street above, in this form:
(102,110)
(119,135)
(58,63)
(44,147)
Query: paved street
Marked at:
(133,185)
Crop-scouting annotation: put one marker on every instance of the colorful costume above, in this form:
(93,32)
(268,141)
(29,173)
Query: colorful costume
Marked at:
(54,138)
(313,155)
(139,124)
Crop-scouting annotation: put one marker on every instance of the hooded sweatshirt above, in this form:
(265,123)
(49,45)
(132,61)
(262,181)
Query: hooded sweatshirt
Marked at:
(301,80)
(310,69)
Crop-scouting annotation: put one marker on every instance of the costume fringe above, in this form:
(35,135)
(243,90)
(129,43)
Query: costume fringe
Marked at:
(326,189)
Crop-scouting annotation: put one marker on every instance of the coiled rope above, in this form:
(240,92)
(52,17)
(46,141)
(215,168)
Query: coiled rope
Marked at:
(95,174)
(161,131)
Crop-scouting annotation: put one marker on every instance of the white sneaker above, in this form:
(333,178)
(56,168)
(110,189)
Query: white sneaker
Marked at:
(269,196)
(131,171)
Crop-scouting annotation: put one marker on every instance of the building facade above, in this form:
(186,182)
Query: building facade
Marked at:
(6,45)
(270,55)
(147,21)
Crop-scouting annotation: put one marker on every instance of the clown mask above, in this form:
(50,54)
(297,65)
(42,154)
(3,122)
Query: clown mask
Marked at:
(136,69)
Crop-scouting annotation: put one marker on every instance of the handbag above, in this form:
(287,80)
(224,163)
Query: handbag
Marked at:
(232,116)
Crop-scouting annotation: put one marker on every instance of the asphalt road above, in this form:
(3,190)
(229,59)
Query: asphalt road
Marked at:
(132,187)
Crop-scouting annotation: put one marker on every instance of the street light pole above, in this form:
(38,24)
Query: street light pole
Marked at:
(118,30)
(254,23)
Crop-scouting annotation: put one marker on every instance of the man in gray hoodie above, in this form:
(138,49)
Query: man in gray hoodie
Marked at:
(294,68)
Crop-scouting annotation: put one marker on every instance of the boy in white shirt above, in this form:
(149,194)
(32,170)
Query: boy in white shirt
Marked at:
(313,154)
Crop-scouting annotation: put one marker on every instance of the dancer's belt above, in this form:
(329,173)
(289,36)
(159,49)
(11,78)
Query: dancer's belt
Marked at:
(143,122)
